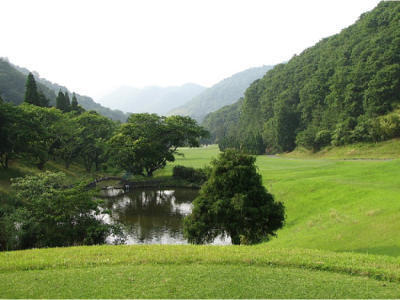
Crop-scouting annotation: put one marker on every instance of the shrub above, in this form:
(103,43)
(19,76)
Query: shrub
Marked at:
(51,215)
(198,176)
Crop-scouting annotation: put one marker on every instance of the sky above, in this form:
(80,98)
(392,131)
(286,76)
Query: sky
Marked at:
(95,46)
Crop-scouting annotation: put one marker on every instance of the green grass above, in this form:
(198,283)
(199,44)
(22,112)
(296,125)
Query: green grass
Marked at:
(331,204)
(195,272)
(383,150)
(340,240)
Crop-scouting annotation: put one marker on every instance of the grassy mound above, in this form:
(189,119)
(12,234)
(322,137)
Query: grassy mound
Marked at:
(195,271)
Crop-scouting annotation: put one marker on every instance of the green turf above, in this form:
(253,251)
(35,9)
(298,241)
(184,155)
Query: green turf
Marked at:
(340,205)
(196,272)
(340,241)
(383,150)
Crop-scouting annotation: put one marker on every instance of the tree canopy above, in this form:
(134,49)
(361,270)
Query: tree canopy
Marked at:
(147,141)
(233,202)
(50,215)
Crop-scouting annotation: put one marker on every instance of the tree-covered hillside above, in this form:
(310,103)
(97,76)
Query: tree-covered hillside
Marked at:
(152,99)
(344,89)
(12,89)
(223,93)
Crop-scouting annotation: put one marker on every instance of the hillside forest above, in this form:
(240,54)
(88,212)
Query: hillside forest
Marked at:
(343,90)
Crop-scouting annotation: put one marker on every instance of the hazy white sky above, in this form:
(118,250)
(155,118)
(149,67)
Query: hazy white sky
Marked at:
(94,46)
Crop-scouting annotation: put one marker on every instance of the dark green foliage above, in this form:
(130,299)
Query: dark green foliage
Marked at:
(222,122)
(332,93)
(17,132)
(193,175)
(95,130)
(235,203)
(45,131)
(62,102)
(8,232)
(147,141)
(67,102)
(50,215)
(43,101)
(31,93)
(74,103)
(12,89)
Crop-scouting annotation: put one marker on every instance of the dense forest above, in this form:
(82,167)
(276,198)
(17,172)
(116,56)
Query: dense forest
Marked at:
(223,93)
(12,89)
(343,90)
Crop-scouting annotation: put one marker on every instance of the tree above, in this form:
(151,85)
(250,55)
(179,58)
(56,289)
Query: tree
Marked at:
(69,141)
(45,124)
(94,133)
(17,131)
(74,103)
(62,102)
(67,102)
(31,93)
(233,202)
(51,215)
(147,141)
(43,101)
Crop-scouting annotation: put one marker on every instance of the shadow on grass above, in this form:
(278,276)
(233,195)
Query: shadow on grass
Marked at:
(383,250)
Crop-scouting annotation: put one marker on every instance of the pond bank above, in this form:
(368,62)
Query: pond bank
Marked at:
(164,182)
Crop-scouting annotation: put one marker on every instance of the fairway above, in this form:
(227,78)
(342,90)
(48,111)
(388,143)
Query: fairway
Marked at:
(339,205)
(340,240)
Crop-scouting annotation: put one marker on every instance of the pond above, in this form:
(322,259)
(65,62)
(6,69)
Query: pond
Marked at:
(152,216)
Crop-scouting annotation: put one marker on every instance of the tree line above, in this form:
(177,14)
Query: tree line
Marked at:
(41,211)
(67,132)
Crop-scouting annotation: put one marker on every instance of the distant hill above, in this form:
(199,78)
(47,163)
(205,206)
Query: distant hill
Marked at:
(153,99)
(225,92)
(12,89)
(343,90)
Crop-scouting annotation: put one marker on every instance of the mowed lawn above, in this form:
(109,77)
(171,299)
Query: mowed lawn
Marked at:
(339,205)
(340,241)
(184,271)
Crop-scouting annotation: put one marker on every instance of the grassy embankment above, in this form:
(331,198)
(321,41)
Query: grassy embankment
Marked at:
(332,205)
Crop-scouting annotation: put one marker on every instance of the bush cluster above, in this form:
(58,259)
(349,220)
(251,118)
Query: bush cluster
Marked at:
(193,175)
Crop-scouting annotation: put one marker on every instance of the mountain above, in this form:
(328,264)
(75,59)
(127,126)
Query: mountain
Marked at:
(223,93)
(344,89)
(12,89)
(152,99)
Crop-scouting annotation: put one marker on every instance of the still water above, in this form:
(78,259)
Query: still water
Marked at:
(152,216)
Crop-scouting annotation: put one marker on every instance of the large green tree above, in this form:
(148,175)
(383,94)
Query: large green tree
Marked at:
(147,141)
(31,92)
(94,133)
(233,202)
(51,215)
(17,131)
(46,124)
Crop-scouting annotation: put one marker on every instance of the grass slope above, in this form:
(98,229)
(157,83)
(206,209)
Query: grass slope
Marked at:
(195,272)
(383,150)
(339,205)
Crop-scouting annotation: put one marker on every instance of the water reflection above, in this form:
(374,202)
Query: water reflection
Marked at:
(151,216)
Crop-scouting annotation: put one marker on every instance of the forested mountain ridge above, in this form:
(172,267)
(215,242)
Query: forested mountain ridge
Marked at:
(12,89)
(344,89)
(152,99)
(223,93)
